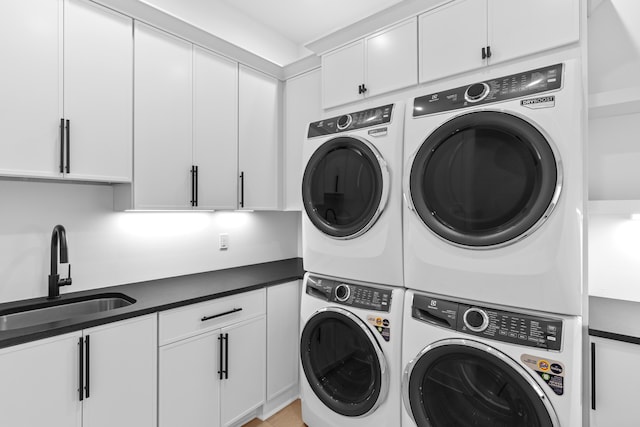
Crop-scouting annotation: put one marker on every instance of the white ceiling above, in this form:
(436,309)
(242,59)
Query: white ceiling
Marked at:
(273,29)
(302,21)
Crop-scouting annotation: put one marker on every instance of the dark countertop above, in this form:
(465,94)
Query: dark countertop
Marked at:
(157,295)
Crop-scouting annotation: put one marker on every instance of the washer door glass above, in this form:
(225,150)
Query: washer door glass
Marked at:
(342,187)
(484,179)
(459,386)
(341,363)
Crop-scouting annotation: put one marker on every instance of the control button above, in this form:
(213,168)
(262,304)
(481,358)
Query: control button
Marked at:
(344,121)
(475,92)
(476,319)
(343,292)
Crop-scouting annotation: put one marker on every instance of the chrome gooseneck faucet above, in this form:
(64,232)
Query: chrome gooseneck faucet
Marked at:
(58,235)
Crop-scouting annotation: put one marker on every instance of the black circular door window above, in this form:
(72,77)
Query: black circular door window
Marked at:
(341,364)
(484,179)
(342,188)
(460,386)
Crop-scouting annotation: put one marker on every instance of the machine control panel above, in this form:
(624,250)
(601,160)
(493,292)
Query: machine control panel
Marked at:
(495,324)
(349,294)
(352,121)
(500,89)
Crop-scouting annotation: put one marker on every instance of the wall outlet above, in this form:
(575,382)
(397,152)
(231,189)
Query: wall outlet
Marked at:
(224,242)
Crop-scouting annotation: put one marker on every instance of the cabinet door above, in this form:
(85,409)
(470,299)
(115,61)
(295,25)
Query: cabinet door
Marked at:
(616,383)
(556,23)
(98,91)
(259,148)
(342,74)
(30,75)
(244,389)
(163,120)
(302,106)
(122,374)
(189,383)
(283,313)
(452,38)
(215,129)
(392,58)
(40,383)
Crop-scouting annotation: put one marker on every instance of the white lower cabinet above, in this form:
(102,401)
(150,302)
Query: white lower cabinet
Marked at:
(283,320)
(212,361)
(615,378)
(40,383)
(102,376)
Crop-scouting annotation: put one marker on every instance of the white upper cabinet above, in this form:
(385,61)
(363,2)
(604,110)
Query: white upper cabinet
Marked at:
(467,34)
(380,63)
(215,130)
(186,133)
(30,109)
(65,114)
(98,91)
(451,38)
(259,146)
(392,58)
(163,120)
(302,106)
(343,75)
(511,35)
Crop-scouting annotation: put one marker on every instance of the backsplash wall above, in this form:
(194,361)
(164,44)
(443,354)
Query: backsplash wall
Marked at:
(109,248)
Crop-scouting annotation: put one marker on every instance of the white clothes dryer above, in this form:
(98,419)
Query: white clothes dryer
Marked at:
(352,196)
(493,188)
(488,366)
(350,346)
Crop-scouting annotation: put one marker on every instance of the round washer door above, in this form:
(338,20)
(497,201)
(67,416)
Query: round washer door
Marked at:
(345,187)
(484,179)
(456,383)
(343,362)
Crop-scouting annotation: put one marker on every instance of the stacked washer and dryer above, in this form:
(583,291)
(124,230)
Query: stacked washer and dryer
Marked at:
(353,295)
(492,250)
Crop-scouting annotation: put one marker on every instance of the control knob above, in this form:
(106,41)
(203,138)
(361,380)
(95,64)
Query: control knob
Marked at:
(476,319)
(476,92)
(344,121)
(343,292)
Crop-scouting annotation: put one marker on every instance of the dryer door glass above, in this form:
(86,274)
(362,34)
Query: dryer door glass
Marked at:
(341,364)
(342,187)
(484,179)
(457,385)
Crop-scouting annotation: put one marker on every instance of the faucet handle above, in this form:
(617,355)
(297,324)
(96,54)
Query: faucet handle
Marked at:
(67,281)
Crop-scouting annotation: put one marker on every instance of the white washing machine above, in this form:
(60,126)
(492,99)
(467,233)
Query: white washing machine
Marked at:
(350,346)
(493,188)
(352,196)
(488,366)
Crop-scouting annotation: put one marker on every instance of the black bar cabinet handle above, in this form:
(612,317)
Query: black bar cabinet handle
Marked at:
(364,88)
(488,51)
(593,376)
(196,190)
(226,313)
(220,373)
(193,184)
(68,132)
(226,356)
(62,145)
(86,367)
(242,189)
(484,53)
(80,370)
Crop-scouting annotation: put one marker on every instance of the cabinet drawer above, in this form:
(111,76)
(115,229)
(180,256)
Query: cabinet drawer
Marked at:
(195,319)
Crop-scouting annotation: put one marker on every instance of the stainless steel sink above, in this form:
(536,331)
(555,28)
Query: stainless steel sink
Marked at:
(37,314)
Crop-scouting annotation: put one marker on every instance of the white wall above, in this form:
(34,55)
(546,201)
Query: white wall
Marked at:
(614,157)
(110,248)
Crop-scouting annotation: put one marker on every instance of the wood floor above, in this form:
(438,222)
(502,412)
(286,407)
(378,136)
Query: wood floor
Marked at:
(290,416)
